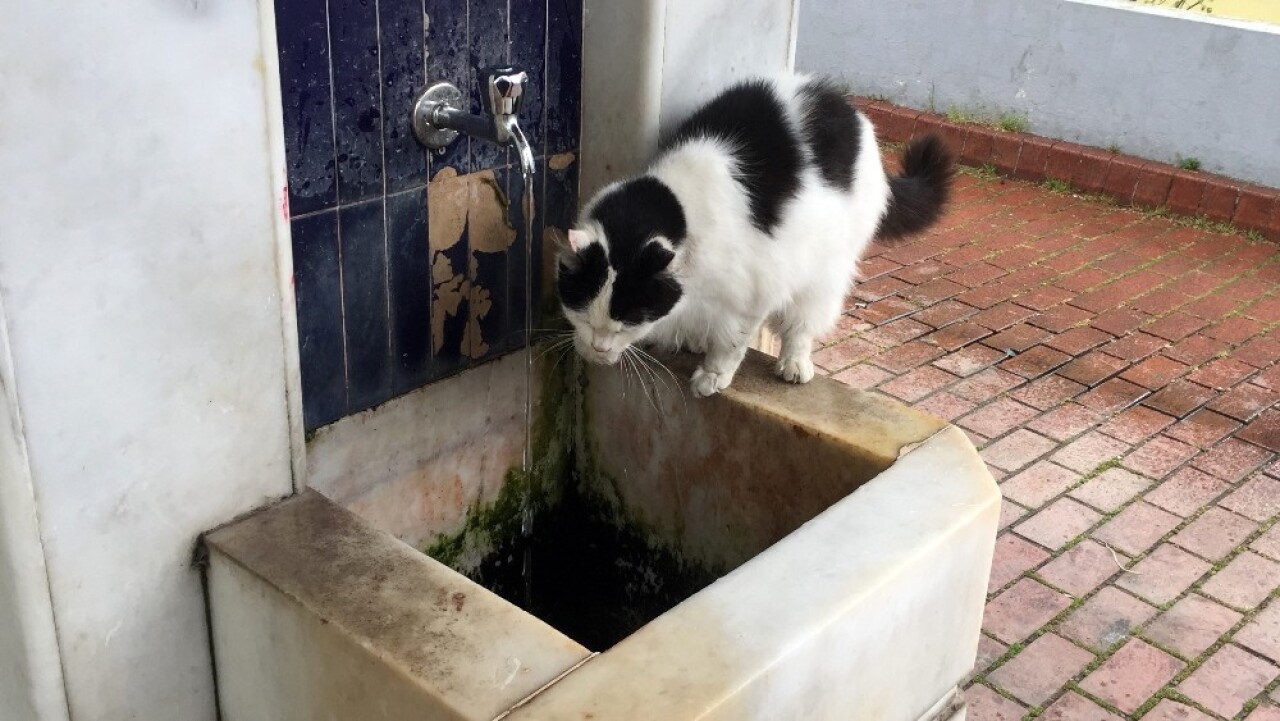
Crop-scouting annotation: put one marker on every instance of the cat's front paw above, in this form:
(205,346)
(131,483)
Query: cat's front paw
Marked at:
(795,370)
(706,383)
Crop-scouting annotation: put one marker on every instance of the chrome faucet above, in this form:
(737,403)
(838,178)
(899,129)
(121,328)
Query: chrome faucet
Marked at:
(438,117)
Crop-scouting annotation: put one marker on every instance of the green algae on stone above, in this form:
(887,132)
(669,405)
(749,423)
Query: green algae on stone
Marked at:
(587,568)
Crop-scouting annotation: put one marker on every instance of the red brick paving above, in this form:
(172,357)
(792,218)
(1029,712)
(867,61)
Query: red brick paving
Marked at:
(1074,707)
(1081,569)
(1111,490)
(1132,675)
(990,706)
(1186,491)
(1228,679)
(1168,710)
(1262,635)
(1164,574)
(1106,619)
(1246,582)
(1192,625)
(1121,375)
(1021,610)
(1259,498)
(1035,675)
(1215,534)
(1060,522)
(1137,528)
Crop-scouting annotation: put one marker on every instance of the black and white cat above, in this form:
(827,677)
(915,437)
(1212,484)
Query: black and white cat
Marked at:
(755,210)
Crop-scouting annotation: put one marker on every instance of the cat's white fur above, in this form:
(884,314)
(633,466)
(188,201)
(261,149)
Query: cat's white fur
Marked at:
(735,277)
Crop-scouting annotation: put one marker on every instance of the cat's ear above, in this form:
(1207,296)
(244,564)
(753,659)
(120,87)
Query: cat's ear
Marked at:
(578,239)
(568,255)
(675,262)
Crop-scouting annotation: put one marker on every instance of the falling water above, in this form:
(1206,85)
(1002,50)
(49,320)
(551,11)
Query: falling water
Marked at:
(526,506)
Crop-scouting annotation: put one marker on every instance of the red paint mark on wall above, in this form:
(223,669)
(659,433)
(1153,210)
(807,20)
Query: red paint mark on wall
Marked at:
(284,202)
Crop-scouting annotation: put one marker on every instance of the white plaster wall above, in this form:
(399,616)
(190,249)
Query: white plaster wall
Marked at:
(1159,84)
(709,45)
(647,63)
(30,675)
(139,273)
(404,470)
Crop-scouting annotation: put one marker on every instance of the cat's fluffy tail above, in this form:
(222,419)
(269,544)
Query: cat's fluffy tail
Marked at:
(920,192)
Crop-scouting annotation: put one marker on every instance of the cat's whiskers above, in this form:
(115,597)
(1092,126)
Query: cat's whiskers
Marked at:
(653,361)
(649,360)
(643,370)
(658,384)
(631,358)
(555,343)
(624,367)
(566,353)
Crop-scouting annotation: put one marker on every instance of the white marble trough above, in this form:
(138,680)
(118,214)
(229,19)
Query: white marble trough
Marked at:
(855,536)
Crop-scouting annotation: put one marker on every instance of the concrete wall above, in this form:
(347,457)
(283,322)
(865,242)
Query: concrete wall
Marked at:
(1159,84)
(140,278)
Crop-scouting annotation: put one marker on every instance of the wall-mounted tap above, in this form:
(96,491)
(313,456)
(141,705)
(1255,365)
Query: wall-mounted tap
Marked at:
(438,116)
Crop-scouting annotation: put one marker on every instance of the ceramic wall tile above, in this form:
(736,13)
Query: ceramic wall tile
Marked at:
(410,280)
(355,55)
(363,236)
(351,71)
(449,59)
(489,47)
(302,31)
(564,74)
(403,44)
(317,286)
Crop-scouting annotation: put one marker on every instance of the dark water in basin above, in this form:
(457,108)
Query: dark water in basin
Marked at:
(595,580)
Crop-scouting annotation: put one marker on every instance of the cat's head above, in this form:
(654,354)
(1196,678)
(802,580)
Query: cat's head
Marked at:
(620,273)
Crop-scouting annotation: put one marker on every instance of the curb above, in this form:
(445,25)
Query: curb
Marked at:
(1127,179)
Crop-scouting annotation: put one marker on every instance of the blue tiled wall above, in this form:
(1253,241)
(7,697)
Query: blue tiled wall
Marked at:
(350,71)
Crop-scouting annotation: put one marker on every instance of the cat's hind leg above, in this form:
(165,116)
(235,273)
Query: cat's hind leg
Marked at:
(799,324)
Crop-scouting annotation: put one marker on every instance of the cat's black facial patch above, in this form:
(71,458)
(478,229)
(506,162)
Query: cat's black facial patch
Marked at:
(752,119)
(582,280)
(637,211)
(831,131)
(631,217)
(644,291)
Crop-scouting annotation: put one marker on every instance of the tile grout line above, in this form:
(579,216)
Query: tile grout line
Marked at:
(386,227)
(337,217)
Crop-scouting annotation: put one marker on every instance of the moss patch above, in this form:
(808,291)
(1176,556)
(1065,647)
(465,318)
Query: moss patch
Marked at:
(586,568)
(586,575)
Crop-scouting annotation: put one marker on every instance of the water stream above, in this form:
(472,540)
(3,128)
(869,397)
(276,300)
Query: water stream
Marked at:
(526,504)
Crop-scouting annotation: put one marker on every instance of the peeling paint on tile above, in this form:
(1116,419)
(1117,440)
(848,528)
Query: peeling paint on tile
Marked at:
(473,207)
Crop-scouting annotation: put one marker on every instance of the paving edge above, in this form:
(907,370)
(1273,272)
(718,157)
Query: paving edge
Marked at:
(1127,179)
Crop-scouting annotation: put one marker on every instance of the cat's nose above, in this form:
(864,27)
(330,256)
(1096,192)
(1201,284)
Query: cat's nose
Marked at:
(600,346)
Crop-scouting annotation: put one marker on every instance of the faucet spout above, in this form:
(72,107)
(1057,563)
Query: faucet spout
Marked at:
(512,129)
(438,118)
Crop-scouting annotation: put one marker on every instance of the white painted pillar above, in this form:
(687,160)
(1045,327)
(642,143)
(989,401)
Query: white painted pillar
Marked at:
(647,63)
(145,362)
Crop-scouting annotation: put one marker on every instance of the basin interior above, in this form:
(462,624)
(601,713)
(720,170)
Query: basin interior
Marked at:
(660,494)
(586,572)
